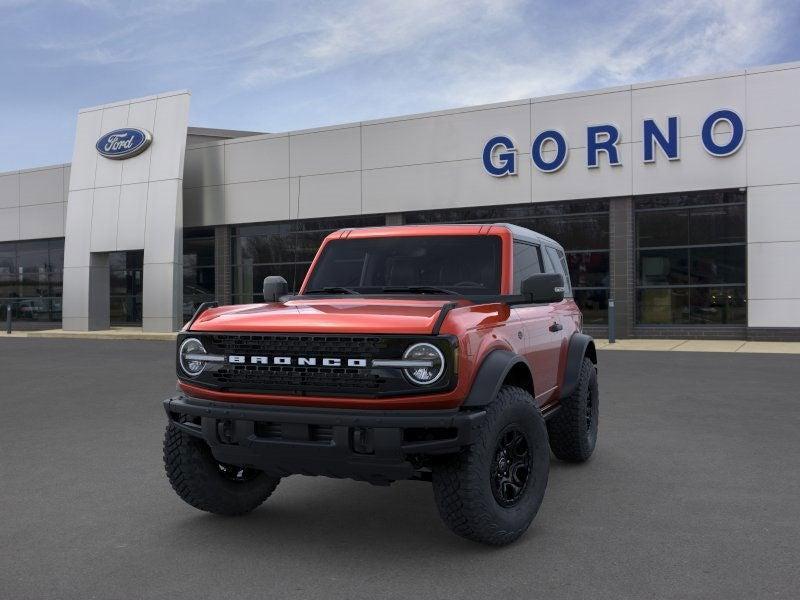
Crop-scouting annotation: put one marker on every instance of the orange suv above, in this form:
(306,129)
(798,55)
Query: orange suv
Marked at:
(448,353)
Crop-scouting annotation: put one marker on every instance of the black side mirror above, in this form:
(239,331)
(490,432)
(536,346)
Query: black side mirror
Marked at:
(275,286)
(544,288)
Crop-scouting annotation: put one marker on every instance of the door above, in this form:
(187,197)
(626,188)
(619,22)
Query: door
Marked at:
(125,270)
(541,342)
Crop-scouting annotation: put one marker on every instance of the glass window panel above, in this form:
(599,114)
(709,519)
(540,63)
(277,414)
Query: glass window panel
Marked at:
(593,305)
(691,199)
(308,244)
(526,263)
(198,281)
(560,265)
(718,264)
(588,269)
(718,224)
(718,306)
(264,249)
(8,259)
(198,252)
(56,255)
(663,267)
(662,228)
(262,229)
(126,310)
(9,286)
(584,232)
(663,306)
(33,257)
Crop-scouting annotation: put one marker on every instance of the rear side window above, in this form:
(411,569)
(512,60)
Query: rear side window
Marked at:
(526,263)
(559,262)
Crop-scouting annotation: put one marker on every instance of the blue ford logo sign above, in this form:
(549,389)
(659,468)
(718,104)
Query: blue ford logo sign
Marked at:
(123,143)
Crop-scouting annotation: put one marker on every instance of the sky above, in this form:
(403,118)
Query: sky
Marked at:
(284,65)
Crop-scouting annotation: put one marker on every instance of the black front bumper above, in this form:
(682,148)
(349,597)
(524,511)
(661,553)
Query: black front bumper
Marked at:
(370,445)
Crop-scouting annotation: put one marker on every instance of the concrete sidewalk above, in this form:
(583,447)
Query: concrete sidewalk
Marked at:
(659,345)
(115,333)
(701,346)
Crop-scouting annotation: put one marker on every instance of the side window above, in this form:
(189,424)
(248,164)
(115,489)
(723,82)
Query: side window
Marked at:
(559,262)
(526,263)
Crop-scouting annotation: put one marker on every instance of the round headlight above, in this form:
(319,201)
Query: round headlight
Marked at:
(431,371)
(189,349)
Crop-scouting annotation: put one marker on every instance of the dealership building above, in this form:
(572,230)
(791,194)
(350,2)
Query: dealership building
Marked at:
(677,200)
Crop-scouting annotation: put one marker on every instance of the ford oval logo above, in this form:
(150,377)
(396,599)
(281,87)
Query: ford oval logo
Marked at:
(123,143)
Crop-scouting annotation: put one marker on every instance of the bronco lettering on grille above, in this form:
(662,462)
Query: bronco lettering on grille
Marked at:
(302,361)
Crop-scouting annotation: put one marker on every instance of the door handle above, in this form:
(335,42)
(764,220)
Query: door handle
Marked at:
(556,327)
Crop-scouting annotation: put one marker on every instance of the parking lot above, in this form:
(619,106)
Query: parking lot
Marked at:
(693,492)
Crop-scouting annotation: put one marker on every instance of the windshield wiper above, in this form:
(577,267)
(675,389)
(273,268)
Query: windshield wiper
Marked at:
(420,289)
(333,289)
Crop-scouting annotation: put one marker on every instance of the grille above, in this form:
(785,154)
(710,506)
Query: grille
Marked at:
(293,379)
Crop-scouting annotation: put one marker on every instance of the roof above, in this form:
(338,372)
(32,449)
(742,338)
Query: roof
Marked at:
(518,233)
(529,235)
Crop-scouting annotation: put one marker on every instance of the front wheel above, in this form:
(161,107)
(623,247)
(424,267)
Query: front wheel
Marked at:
(203,482)
(491,491)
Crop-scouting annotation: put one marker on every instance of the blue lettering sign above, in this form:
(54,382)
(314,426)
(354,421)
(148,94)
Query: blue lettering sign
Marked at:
(652,135)
(602,138)
(507,158)
(707,135)
(561,151)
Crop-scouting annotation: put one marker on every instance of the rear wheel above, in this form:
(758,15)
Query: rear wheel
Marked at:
(203,482)
(491,491)
(573,429)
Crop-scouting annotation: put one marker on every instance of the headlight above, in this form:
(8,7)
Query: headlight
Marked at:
(431,363)
(189,356)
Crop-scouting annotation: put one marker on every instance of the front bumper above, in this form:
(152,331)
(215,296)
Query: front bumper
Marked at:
(370,445)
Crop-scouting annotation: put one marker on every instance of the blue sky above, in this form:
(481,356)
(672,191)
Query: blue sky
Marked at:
(276,66)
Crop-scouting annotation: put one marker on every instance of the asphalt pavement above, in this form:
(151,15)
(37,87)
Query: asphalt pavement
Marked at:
(693,492)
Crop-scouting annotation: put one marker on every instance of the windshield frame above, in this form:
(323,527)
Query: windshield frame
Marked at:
(504,267)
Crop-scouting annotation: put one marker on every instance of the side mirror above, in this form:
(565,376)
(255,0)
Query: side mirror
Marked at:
(544,288)
(275,286)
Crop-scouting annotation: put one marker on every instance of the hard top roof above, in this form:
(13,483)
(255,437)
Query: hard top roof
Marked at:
(519,233)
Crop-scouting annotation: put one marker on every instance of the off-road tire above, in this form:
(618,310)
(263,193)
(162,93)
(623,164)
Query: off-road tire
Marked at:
(573,429)
(198,479)
(462,483)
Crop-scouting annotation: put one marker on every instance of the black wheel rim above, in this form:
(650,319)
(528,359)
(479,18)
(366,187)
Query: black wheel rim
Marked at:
(237,474)
(511,466)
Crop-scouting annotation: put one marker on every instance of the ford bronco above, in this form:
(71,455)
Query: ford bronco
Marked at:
(452,354)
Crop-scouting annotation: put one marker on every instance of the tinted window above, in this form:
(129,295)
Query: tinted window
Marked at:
(463,264)
(692,258)
(526,263)
(560,266)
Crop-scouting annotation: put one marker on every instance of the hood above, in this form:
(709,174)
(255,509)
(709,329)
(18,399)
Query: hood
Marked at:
(340,315)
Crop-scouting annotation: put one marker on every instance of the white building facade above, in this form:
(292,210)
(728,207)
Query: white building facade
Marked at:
(677,200)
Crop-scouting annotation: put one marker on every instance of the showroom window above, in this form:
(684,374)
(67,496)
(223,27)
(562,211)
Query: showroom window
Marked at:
(691,259)
(580,227)
(284,249)
(198,269)
(31,277)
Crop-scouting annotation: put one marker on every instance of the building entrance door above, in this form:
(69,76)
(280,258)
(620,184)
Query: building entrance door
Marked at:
(126,287)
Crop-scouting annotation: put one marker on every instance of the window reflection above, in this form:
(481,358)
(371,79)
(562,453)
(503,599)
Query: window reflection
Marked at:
(691,258)
(31,276)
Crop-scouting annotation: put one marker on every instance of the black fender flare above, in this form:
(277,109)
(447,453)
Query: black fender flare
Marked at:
(490,377)
(580,345)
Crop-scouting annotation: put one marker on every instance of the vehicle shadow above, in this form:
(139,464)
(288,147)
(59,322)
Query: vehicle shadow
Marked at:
(360,520)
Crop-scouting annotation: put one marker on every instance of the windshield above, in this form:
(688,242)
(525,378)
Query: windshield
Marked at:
(459,264)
